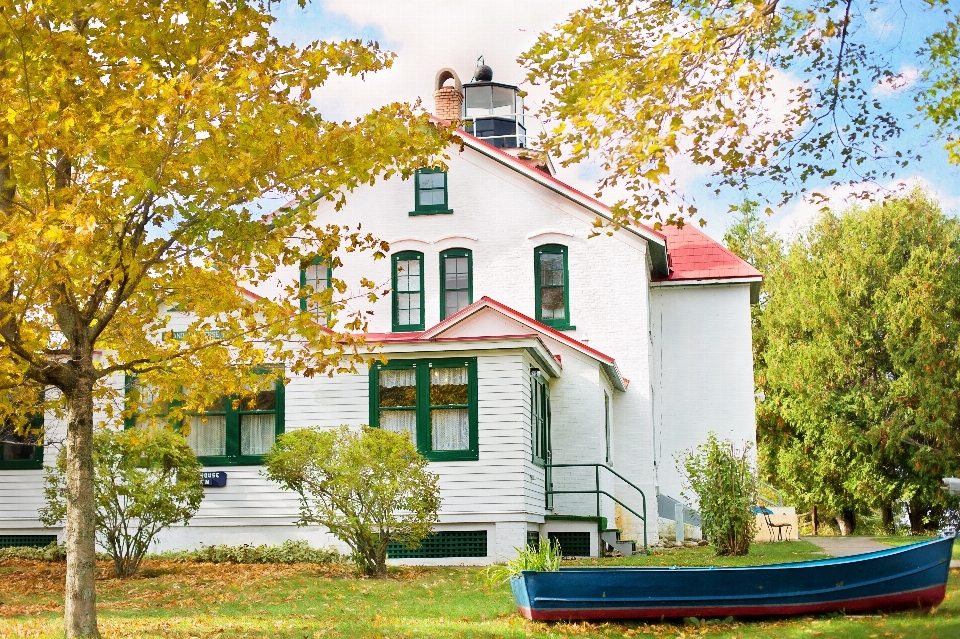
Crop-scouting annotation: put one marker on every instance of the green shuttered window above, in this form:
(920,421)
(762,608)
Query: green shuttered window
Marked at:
(22,448)
(456,281)
(314,279)
(552,286)
(407,293)
(433,401)
(430,192)
(232,431)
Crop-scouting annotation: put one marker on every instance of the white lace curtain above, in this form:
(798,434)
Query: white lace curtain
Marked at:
(400,421)
(257,433)
(208,435)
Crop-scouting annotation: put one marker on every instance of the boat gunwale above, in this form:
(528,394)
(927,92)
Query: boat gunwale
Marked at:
(826,561)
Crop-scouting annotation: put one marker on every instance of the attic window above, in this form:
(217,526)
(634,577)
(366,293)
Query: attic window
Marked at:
(430,192)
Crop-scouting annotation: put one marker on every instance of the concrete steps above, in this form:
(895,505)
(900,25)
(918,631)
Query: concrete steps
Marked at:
(612,542)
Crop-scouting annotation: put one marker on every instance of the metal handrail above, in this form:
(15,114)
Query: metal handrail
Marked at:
(598,492)
(768,501)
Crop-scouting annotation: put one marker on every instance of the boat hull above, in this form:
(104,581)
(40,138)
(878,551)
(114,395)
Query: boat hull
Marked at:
(907,577)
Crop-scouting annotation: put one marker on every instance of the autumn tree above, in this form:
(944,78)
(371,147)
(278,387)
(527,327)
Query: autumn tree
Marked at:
(862,362)
(134,139)
(773,97)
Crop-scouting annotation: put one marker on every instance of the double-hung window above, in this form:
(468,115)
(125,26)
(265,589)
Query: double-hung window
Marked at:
(539,417)
(22,448)
(430,186)
(315,279)
(553,286)
(433,401)
(231,431)
(456,281)
(408,291)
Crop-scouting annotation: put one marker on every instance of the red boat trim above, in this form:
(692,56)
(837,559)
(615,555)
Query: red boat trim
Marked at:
(922,598)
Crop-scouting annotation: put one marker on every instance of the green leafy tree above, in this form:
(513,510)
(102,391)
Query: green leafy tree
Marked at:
(133,139)
(640,83)
(368,487)
(146,480)
(862,364)
(724,485)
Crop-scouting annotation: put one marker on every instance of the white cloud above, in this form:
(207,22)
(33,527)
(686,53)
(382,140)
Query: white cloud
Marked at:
(898,83)
(802,213)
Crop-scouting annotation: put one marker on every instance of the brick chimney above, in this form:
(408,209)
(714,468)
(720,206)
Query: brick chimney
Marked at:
(448,101)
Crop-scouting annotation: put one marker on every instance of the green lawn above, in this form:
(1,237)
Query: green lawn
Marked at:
(904,541)
(208,600)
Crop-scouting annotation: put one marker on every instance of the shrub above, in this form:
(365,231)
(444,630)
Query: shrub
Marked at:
(368,488)
(723,479)
(145,481)
(289,552)
(52,552)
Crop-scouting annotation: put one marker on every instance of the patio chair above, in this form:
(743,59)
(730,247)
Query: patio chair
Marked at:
(779,527)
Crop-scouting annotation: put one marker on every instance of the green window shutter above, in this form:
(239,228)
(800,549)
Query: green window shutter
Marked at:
(432,400)
(316,275)
(552,286)
(407,291)
(430,192)
(456,281)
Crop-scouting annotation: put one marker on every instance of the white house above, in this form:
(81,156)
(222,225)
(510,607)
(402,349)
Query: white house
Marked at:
(549,375)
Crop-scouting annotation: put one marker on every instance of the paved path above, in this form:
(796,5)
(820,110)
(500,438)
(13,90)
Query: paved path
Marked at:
(846,546)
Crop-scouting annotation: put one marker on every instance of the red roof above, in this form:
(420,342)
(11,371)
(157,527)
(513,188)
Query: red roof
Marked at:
(693,255)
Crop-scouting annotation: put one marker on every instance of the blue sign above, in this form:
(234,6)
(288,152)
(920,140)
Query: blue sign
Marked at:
(213,479)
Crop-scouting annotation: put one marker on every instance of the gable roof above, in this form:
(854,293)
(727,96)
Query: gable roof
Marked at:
(532,328)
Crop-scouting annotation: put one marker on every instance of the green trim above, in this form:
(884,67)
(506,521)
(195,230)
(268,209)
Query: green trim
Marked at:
(397,326)
(429,209)
(423,406)
(539,419)
(558,324)
(27,541)
(303,281)
(454,252)
(600,521)
(607,427)
(36,424)
(232,444)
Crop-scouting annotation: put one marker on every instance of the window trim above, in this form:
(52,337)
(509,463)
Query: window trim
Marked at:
(422,368)
(553,249)
(454,252)
(303,281)
(539,421)
(232,438)
(36,421)
(430,209)
(608,427)
(394,294)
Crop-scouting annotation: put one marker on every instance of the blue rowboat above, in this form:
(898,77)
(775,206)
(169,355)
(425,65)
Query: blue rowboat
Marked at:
(913,576)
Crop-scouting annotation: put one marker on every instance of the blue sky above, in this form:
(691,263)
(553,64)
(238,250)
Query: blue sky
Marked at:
(427,35)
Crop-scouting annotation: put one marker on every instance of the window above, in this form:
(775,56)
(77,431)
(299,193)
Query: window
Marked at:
(408,291)
(606,425)
(431,192)
(233,431)
(316,276)
(539,417)
(22,450)
(434,401)
(456,281)
(553,286)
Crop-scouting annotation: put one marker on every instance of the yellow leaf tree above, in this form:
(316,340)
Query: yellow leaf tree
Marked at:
(134,138)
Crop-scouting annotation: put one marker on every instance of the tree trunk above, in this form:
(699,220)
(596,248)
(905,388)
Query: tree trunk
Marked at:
(80,599)
(814,522)
(886,518)
(847,520)
(916,512)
